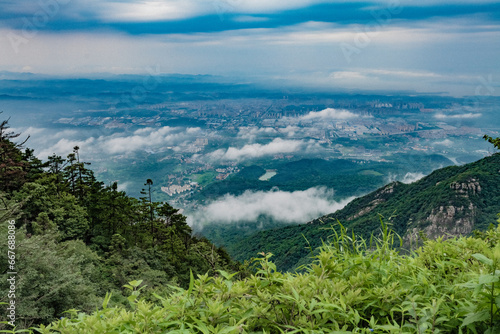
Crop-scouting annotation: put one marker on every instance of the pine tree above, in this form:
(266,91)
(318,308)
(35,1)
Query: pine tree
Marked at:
(12,166)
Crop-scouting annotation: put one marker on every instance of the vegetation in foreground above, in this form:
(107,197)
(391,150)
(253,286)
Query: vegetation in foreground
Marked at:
(353,286)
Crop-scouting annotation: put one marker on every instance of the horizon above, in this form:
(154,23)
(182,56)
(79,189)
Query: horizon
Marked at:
(434,47)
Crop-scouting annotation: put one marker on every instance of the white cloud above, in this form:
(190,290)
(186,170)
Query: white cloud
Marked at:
(293,207)
(350,75)
(145,11)
(47,142)
(143,138)
(250,133)
(291,131)
(458,116)
(409,177)
(154,10)
(123,186)
(64,146)
(412,177)
(250,151)
(329,114)
(445,142)
(404,73)
(148,138)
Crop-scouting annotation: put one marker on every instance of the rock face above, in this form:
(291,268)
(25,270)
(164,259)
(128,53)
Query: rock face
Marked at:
(471,187)
(450,221)
(380,197)
(445,223)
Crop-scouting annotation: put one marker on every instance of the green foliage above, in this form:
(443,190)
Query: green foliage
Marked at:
(354,285)
(494,141)
(52,277)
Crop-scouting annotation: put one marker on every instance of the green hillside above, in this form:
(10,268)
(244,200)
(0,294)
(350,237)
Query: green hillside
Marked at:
(348,177)
(450,201)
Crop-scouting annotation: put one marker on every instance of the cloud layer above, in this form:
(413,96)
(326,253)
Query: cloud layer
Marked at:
(47,142)
(291,207)
(250,151)
(458,116)
(329,114)
(408,178)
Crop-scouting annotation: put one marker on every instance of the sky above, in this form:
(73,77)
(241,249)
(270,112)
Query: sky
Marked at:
(429,46)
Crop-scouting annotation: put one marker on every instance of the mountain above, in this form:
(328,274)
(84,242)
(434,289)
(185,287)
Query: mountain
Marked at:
(449,202)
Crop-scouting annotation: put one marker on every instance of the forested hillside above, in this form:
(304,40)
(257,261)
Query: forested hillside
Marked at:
(347,177)
(77,238)
(450,201)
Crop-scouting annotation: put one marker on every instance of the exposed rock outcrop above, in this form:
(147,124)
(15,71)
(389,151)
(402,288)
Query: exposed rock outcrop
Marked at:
(443,222)
(471,187)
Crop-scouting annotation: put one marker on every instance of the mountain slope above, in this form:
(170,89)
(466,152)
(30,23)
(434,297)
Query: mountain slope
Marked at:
(450,201)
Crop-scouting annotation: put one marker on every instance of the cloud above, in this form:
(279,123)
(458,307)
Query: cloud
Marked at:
(350,75)
(291,131)
(250,151)
(64,146)
(142,138)
(445,142)
(148,138)
(145,11)
(292,207)
(123,186)
(412,177)
(458,116)
(409,177)
(47,142)
(251,133)
(329,114)
(297,42)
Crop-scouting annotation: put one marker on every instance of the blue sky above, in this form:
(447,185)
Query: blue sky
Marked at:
(449,47)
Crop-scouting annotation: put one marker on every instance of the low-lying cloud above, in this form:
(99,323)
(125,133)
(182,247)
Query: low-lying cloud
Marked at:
(147,138)
(292,207)
(446,142)
(251,133)
(412,177)
(277,146)
(329,114)
(458,116)
(46,142)
(408,178)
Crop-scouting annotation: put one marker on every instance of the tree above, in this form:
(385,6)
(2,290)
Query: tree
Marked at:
(149,207)
(56,166)
(174,224)
(12,166)
(43,205)
(494,141)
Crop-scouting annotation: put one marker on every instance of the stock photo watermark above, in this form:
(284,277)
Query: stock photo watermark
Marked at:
(47,10)
(362,39)
(223,7)
(485,88)
(139,93)
(11,273)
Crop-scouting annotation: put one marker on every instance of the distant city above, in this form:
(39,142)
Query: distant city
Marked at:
(189,135)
